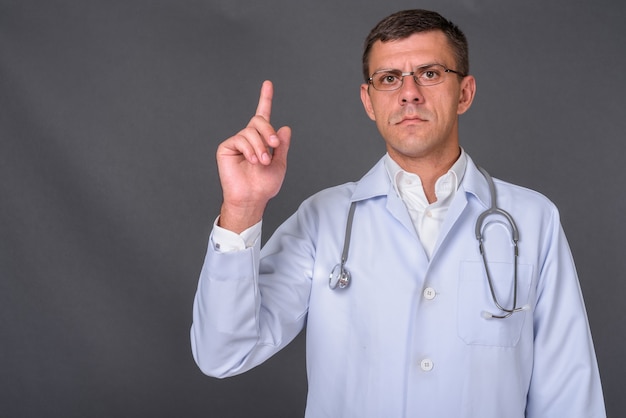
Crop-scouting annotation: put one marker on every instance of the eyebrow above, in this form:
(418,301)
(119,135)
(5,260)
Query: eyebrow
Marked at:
(430,64)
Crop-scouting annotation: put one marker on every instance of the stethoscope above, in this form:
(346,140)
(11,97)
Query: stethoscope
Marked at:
(340,276)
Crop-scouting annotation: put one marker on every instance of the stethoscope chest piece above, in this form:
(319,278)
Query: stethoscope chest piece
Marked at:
(339,277)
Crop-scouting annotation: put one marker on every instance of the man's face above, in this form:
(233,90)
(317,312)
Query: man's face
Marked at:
(418,122)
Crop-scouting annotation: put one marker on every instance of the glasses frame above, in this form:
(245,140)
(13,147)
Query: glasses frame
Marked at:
(403,74)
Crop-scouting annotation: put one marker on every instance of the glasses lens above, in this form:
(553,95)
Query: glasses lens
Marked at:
(387,80)
(430,74)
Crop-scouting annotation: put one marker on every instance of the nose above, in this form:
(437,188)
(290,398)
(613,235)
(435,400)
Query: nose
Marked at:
(410,91)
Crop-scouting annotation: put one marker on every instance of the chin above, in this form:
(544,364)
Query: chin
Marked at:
(416,149)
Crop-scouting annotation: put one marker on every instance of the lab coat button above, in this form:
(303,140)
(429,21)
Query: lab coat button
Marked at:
(426,365)
(429,293)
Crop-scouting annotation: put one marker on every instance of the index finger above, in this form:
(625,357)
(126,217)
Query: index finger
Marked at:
(265,100)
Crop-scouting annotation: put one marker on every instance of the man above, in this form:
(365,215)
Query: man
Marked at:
(413,321)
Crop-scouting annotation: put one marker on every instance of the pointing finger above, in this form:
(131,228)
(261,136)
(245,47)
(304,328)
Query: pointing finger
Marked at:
(264,108)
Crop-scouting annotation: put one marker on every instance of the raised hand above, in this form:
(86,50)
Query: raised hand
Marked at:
(252,166)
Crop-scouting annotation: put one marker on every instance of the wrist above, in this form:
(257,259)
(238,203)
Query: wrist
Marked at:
(238,218)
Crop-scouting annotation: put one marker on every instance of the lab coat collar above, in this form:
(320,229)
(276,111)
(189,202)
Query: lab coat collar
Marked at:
(373,184)
(474,183)
(377,183)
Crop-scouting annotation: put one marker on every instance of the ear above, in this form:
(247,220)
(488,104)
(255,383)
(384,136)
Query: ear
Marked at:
(466,94)
(367,101)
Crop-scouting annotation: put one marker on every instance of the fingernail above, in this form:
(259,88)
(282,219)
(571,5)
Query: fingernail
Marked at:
(274,139)
(265,157)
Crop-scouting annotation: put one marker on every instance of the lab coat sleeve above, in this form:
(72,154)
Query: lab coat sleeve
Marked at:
(248,306)
(565,379)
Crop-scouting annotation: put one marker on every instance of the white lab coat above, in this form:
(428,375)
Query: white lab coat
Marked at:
(407,338)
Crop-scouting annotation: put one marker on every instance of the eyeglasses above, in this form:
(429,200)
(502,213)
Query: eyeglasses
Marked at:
(426,75)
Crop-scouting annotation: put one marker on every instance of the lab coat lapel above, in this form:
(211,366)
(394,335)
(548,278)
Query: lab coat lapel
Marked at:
(456,209)
(474,184)
(376,183)
(398,209)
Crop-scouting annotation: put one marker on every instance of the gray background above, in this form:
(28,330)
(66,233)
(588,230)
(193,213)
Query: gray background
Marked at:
(110,115)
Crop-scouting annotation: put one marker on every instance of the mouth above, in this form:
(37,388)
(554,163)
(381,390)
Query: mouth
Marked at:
(407,120)
(412,119)
(408,116)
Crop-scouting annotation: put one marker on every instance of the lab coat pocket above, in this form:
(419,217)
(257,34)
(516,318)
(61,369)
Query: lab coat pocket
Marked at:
(474,299)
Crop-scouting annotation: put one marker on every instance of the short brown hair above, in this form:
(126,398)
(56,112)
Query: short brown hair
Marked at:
(405,23)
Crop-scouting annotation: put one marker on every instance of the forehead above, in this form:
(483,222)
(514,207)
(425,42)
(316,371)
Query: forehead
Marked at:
(419,48)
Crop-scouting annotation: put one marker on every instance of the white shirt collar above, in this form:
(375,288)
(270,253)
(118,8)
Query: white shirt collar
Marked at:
(445,186)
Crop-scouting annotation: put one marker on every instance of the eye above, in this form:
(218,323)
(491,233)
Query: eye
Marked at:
(388,78)
(430,74)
